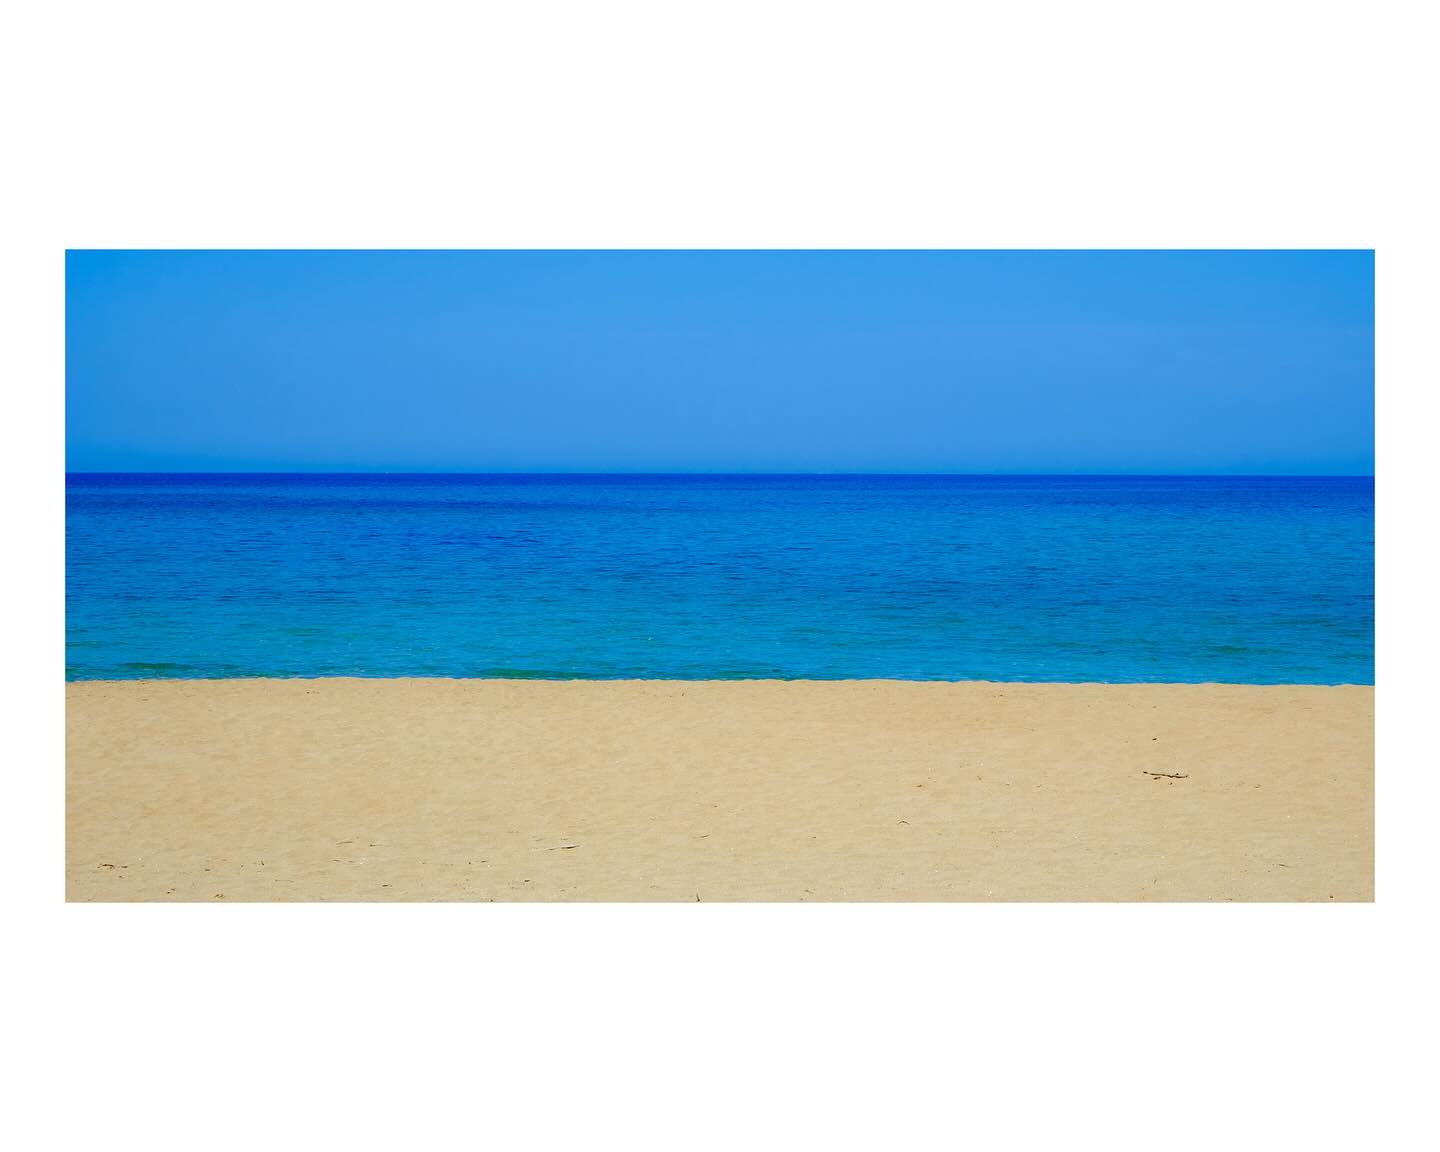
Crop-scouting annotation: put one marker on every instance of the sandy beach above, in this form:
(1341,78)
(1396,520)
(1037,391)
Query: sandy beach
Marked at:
(427,789)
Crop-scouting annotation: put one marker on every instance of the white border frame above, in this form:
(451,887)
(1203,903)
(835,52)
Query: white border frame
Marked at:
(788,125)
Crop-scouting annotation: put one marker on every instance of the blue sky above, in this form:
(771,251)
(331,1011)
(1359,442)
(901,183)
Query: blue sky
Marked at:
(1241,362)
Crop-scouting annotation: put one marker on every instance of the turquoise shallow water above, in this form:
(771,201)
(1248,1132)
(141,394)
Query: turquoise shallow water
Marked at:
(1248,580)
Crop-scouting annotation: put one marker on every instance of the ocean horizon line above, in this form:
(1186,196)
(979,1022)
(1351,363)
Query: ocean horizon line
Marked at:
(724,474)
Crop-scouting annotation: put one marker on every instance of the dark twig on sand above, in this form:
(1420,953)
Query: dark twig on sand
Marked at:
(1167,775)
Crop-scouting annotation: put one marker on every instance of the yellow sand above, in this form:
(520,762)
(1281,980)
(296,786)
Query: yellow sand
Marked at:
(757,790)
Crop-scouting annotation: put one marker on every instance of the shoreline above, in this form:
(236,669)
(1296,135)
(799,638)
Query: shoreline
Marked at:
(453,788)
(446,678)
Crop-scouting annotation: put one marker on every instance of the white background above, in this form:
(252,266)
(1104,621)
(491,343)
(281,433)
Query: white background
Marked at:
(717,125)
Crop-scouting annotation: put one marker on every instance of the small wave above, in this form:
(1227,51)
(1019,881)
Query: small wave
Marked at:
(535,674)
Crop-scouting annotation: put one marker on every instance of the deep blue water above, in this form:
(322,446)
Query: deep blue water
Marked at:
(1251,580)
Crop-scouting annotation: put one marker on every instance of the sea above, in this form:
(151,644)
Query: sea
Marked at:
(1253,580)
